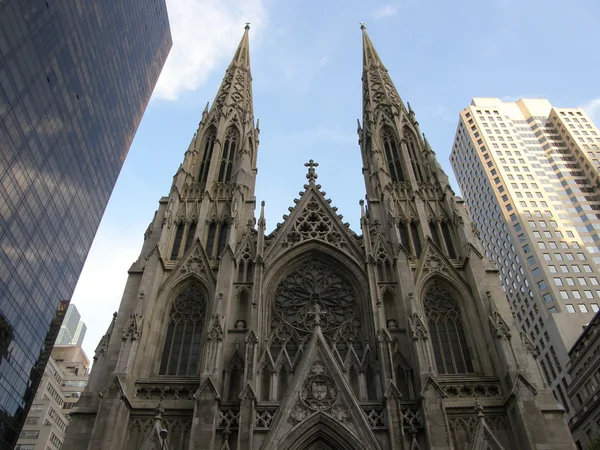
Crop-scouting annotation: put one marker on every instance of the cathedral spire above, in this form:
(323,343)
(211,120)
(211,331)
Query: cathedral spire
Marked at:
(378,90)
(235,91)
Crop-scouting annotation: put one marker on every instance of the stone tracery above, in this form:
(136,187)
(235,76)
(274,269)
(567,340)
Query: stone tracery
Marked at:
(315,283)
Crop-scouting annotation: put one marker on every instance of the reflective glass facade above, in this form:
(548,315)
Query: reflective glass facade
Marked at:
(75,78)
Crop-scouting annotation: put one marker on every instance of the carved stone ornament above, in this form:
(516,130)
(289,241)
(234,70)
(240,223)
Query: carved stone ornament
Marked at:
(193,265)
(318,391)
(315,283)
(298,414)
(500,329)
(418,328)
(313,223)
(133,328)
(434,263)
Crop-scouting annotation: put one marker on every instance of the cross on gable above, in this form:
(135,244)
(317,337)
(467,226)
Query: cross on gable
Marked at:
(311,175)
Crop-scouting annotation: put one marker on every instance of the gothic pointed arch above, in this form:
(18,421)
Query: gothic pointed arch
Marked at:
(446,325)
(208,143)
(393,154)
(413,145)
(186,321)
(320,431)
(231,143)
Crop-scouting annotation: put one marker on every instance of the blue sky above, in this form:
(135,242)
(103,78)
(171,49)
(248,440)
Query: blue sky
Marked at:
(306,64)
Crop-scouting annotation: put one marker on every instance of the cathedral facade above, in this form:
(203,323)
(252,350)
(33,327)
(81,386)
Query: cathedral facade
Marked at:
(312,336)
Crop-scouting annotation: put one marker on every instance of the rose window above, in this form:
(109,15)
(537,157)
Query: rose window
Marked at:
(315,292)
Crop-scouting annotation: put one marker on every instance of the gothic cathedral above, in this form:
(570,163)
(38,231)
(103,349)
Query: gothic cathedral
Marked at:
(312,336)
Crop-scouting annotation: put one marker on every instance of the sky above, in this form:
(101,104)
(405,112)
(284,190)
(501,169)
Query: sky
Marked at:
(306,62)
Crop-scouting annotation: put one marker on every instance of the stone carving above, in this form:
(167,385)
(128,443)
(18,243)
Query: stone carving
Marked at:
(318,391)
(499,327)
(229,419)
(100,351)
(417,328)
(298,414)
(133,328)
(313,223)
(411,418)
(528,345)
(472,390)
(264,418)
(433,264)
(215,332)
(165,391)
(341,414)
(315,283)
(193,265)
(375,417)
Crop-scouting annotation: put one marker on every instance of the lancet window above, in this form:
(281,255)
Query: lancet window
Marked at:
(448,240)
(181,352)
(232,138)
(177,240)
(447,332)
(246,267)
(209,142)
(216,239)
(392,155)
(183,232)
(415,159)
(416,238)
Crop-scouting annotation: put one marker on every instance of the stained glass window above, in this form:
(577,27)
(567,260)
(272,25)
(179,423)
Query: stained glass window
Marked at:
(181,353)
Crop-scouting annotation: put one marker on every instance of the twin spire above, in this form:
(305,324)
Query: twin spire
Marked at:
(378,89)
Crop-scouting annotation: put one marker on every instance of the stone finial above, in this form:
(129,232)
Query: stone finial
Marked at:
(316,313)
(312,174)
(362,26)
(247,27)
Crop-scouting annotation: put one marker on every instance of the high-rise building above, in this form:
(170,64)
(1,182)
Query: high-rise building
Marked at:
(75,79)
(311,336)
(64,379)
(72,331)
(528,172)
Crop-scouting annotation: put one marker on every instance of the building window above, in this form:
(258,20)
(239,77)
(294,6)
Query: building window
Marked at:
(392,155)
(583,308)
(232,138)
(177,241)
(181,353)
(570,308)
(216,239)
(448,338)
(209,143)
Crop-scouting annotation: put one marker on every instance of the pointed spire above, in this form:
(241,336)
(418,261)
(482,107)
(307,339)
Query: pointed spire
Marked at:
(378,89)
(236,87)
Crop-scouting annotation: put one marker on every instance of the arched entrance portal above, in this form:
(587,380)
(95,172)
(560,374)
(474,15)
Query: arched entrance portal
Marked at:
(320,432)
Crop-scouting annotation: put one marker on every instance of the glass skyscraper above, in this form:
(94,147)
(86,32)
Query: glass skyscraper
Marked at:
(75,79)
(72,330)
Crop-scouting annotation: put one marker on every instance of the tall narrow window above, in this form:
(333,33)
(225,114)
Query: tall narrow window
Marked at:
(181,353)
(416,238)
(448,240)
(392,155)
(222,238)
(210,238)
(209,143)
(447,332)
(434,234)
(228,155)
(189,240)
(177,241)
(415,160)
(404,235)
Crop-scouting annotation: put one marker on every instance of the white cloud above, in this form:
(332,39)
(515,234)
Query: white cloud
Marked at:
(592,108)
(100,286)
(385,11)
(204,32)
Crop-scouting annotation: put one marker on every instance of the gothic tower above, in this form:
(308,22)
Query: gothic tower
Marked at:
(313,337)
